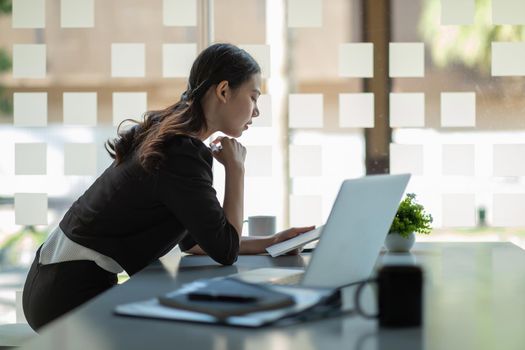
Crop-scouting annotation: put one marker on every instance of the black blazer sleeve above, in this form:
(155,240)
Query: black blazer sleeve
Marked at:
(186,243)
(185,187)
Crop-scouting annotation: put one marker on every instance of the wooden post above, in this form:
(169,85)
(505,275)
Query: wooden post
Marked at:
(376,30)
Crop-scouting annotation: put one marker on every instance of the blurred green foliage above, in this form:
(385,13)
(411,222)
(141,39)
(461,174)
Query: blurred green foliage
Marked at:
(12,247)
(6,6)
(5,61)
(6,106)
(467,45)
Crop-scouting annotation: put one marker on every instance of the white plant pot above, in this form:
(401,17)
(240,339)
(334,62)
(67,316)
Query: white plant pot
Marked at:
(396,243)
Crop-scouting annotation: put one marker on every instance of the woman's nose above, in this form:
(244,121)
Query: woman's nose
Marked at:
(255,113)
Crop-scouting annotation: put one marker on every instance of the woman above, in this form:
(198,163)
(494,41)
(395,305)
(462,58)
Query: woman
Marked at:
(158,192)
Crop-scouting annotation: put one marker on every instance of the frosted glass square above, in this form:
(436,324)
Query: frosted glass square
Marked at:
(177,59)
(342,159)
(30,109)
(406,159)
(30,208)
(509,209)
(356,60)
(356,110)
(128,60)
(261,53)
(508,12)
(80,108)
(407,110)
(29,61)
(258,161)
(457,12)
(30,158)
(458,160)
(305,210)
(305,160)
(459,210)
(407,60)
(80,159)
(305,13)
(305,110)
(264,103)
(77,13)
(458,109)
(29,13)
(508,58)
(179,13)
(509,160)
(260,197)
(128,105)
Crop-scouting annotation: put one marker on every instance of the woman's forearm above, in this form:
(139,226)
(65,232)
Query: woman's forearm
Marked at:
(249,245)
(234,197)
(233,205)
(254,245)
(257,245)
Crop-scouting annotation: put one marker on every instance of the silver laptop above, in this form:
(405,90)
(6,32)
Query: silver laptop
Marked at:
(351,239)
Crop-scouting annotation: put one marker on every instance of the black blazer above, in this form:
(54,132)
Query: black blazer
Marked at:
(136,217)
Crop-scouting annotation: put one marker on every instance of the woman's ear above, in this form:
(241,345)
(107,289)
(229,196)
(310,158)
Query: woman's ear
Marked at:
(222,91)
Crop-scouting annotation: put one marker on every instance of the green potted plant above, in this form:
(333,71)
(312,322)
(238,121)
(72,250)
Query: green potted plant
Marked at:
(410,218)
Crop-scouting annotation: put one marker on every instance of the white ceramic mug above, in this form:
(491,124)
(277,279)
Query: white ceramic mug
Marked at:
(261,225)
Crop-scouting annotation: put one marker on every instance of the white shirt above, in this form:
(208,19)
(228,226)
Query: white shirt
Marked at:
(59,248)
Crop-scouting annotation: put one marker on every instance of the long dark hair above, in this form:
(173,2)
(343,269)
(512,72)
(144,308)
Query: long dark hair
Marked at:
(216,63)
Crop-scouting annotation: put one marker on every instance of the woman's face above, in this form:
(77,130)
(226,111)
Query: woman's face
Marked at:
(240,107)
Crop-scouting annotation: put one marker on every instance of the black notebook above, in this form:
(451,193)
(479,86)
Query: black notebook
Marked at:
(227,297)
